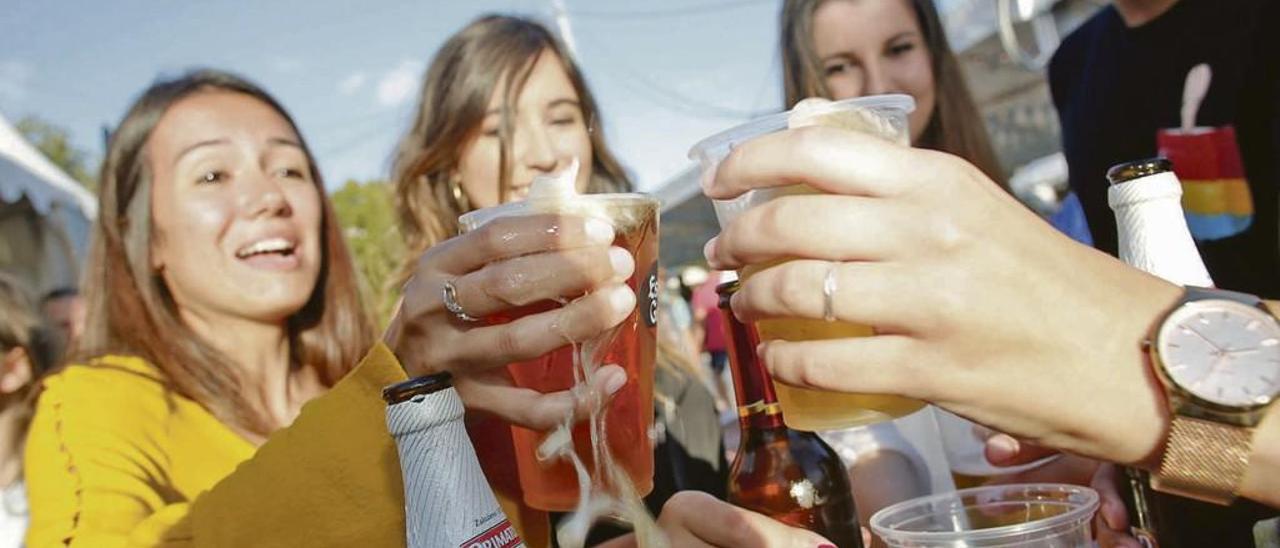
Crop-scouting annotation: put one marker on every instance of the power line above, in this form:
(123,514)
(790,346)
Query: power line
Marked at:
(670,12)
(670,99)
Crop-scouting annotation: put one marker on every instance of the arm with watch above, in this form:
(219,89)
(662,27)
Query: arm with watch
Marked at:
(1217,355)
(985,310)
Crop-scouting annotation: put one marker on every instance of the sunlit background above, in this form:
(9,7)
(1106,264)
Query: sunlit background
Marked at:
(666,72)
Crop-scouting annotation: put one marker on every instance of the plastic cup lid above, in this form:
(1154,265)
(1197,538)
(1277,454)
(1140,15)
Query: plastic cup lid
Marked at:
(602,206)
(717,146)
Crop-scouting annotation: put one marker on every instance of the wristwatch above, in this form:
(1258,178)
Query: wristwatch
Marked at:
(1217,353)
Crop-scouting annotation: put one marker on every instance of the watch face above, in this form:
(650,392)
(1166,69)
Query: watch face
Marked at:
(1223,352)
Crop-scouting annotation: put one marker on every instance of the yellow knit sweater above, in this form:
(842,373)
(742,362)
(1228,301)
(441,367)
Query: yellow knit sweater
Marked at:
(114,458)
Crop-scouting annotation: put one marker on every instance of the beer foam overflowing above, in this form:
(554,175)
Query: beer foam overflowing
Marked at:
(609,492)
(557,193)
(814,112)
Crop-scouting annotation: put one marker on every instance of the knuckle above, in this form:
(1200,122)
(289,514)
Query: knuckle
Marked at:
(742,532)
(561,230)
(792,288)
(809,371)
(772,219)
(733,238)
(590,266)
(811,141)
(947,306)
(681,502)
(492,239)
(948,235)
(503,282)
(509,340)
(586,317)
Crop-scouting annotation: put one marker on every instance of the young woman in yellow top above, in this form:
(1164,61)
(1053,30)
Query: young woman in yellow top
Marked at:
(220,403)
(221,300)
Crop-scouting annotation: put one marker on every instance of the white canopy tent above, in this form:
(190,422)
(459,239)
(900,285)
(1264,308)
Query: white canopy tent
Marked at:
(45,216)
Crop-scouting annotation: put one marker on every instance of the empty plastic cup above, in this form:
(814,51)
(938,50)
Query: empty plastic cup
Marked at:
(1032,515)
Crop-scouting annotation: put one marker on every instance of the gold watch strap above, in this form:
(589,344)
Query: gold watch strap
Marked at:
(1204,460)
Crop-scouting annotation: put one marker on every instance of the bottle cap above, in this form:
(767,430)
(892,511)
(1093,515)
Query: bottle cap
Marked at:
(426,384)
(1128,171)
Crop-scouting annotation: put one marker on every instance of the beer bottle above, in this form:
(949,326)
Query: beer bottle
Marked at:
(1154,237)
(447,500)
(788,475)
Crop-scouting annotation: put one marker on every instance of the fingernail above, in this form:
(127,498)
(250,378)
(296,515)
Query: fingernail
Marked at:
(761,349)
(615,382)
(708,176)
(621,298)
(709,249)
(622,262)
(1002,447)
(599,232)
(824,545)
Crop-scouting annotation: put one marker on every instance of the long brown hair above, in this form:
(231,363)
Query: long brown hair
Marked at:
(130,310)
(955,125)
(21,328)
(451,107)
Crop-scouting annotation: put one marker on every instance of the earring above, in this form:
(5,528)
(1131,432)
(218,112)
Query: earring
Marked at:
(459,197)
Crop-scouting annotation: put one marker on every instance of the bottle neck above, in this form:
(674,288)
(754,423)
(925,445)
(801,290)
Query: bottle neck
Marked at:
(1152,230)
(753,387)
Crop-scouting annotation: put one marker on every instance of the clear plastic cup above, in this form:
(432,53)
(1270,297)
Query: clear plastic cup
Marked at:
(884,116)
(1031,515)
(553,485)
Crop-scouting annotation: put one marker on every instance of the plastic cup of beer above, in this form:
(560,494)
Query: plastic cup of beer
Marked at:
(1030,515)
(552,484)
(880,115)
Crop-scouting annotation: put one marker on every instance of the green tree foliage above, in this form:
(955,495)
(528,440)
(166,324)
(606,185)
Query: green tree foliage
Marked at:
(367,215)
(55,143)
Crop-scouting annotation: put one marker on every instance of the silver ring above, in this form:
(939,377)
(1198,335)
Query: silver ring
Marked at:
(828,294)
(450,297)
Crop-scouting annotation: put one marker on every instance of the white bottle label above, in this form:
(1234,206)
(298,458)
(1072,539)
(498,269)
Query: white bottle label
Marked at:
(448,502)
(1152,231)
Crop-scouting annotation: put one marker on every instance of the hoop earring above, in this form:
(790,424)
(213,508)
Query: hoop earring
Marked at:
(459,197)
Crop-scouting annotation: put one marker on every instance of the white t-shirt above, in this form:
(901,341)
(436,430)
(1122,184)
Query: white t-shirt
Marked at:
(13,514)
(911,442)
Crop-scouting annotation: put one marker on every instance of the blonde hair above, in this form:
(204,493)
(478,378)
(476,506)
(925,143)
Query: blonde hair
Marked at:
(451,107)
(955,125)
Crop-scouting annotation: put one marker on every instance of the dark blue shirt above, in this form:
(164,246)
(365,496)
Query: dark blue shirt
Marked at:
(1115,86)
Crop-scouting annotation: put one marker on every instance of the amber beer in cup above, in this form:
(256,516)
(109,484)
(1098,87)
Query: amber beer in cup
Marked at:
(880,115)
(553,484)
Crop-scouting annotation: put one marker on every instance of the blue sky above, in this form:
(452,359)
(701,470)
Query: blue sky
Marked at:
(666,72)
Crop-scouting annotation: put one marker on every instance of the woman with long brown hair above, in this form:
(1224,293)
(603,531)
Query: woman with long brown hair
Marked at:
(838,49)
(228,386)
(464,129)
(217,398)
(501,103)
